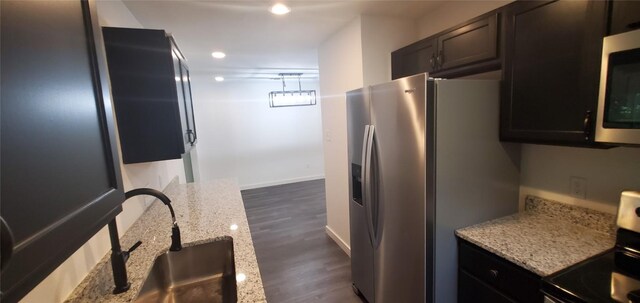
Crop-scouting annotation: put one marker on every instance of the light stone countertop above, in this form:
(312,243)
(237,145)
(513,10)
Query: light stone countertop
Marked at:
(204,212)
(547,237)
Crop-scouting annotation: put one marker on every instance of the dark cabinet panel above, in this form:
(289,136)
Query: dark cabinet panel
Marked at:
(148,93)
(180,101)
(551,71)
(468,44)
(60,170)
(499,274)
(625,16)
(472,290)
(414,59)
(469,48)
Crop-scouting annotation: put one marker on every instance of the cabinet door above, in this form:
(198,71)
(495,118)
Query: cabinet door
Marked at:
(146,86)
(472,43)
(625,16)
(414,59)
(188,102)
(182,108)
(472,290)
(60,172)
(552,71)
(499,274)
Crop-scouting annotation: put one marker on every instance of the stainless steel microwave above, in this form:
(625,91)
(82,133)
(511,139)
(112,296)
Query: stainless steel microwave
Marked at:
(618,119)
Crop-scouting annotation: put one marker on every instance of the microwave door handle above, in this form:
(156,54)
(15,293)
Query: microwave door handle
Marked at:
(7,243)
(586,127)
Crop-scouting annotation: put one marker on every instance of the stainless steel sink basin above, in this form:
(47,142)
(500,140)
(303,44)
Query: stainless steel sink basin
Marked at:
(200,273)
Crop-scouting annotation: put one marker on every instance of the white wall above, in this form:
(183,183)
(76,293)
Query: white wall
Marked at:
(240,136)
(340,64)
(545,170)
(59,284)
(381,36)
(357,55)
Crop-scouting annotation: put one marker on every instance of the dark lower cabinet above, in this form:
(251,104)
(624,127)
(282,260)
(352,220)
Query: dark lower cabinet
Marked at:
(151,94)
(60,174)
(485,277)
(472,290)
(551,71)
(469,48)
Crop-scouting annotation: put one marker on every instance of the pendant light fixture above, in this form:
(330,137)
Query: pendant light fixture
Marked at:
(286,98)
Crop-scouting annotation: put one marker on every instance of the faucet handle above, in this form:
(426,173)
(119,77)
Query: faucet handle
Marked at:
(134,246)
(125,254)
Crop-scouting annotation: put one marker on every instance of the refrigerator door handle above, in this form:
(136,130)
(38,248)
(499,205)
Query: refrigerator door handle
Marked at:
(363,166)
(366,199)
(368,175)
(375,207)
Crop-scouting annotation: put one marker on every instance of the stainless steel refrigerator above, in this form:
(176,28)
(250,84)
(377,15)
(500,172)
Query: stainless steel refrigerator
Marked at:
(425,160)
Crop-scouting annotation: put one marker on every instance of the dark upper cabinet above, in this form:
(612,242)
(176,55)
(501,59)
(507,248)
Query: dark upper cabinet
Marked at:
(468,44)
(60,174)
(416,58)
(148,81)
(469,48)
(625,16)
(551,71)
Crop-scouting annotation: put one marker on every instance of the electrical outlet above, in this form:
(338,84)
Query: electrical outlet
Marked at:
(578,187)
(327,135)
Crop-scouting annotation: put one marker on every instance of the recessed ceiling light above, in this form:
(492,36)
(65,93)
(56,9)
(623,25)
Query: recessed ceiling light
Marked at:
(218,55)
(280,9)
(219,78)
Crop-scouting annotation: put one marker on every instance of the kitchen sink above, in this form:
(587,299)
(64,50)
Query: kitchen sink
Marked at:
(200,273)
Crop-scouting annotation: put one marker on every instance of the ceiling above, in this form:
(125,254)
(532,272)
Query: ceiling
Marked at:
(259,44)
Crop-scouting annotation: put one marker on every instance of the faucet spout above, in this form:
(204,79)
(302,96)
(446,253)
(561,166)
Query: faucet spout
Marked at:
(176,242)
(119,257)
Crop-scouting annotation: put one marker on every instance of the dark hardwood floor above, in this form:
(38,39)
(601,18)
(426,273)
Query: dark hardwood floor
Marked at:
(298,261)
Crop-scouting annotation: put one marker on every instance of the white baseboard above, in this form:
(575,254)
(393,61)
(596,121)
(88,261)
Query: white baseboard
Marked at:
(280,182)
(338,240)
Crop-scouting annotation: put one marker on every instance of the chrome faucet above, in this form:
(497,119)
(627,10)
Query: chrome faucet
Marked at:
(119,258)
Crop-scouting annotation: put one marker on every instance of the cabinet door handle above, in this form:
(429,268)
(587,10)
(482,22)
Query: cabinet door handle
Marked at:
(586,127)
(493,274)
(440,59)
(189,135)
(432,61)
(6,246)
